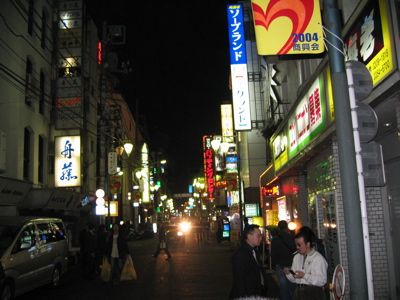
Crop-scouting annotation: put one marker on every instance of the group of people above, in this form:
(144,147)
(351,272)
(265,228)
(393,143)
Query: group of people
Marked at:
(301,269)
(94,246)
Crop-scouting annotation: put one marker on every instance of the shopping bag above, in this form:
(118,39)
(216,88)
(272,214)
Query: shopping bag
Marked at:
(105,270)
(128,271)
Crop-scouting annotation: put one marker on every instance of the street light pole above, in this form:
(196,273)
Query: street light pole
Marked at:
(347,163)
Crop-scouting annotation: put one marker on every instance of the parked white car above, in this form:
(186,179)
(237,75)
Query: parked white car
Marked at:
(33,253)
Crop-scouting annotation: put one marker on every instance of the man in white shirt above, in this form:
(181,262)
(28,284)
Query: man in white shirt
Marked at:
(309,268)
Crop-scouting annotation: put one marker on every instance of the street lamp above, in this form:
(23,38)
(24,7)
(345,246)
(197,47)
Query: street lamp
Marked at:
(128,146)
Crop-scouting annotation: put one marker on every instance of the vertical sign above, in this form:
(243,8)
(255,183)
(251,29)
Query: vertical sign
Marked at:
(145,174)
(208,156)
(227,123)
(67,161)
(237,48)
(287,27)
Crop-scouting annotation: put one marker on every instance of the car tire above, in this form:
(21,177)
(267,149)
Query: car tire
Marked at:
(6,292)
(56,277)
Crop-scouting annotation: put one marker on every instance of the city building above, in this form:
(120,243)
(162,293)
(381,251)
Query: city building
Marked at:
(302,183)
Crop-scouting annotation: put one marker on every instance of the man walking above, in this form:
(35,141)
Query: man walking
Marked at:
(248,274)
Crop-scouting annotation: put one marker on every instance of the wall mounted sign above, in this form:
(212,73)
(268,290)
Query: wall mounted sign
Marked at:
(288,27)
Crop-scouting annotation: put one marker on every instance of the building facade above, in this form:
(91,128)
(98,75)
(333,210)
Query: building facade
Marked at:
(303,183)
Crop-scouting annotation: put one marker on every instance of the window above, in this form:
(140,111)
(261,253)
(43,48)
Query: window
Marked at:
(43,29)
(45,233)
(27,155)
(30,17)
(28,82)
(41,159)
(59,231)
(26,239)
(42,93)
(51,232)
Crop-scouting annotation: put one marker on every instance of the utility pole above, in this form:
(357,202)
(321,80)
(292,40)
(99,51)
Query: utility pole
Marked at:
(347,162)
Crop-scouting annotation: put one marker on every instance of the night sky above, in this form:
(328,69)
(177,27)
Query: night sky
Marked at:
(180,69)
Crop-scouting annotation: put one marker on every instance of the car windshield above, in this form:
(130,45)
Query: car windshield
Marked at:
(7,235)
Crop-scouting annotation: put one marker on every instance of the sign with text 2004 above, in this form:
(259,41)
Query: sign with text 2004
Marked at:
(287,27)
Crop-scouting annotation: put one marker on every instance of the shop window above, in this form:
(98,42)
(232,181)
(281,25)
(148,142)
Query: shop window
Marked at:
(41,159)
(29,82)
(42,93)
(27,166)
(43,30)
(30,17)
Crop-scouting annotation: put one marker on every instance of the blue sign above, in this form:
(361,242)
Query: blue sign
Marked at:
(231,159)
(237,41)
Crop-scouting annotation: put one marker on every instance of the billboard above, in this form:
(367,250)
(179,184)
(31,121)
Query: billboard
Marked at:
(287,27)
(208,160)
(238,59)
(67,165)
(369,42)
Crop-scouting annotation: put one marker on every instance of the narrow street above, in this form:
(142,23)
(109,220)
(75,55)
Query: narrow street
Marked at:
(196,271)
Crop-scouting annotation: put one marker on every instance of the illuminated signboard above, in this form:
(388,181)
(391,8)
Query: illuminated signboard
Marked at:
(308,119)
(369,40)
(238,59)
(280,150)
(282,211)
(231,163)
(306,122)
(145,174)
(287,27)
(251,210)
(67,164)
(209,174)
(272,191)
(227,123)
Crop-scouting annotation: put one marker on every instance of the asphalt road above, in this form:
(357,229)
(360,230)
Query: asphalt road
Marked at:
(196,271)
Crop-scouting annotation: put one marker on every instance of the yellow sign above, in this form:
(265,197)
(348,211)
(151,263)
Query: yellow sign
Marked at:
(382,63)
(287,27)
(113,208)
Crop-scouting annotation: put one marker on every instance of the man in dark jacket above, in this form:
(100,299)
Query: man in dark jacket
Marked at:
(88,247)
(248,274)
(282,249)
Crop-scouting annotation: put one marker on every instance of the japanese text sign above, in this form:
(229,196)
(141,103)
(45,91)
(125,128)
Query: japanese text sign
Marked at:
(369,42)
(67,161)
(209,172)
(240,88)
(287,27)
(237,42)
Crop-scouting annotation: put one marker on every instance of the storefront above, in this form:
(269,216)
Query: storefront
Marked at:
(305,152)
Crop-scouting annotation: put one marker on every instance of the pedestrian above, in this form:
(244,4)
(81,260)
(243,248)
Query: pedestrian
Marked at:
(248,273)
(87,238)
(309,268)
(282,252)
(220,226)
(162,241)
(101,245)
(117,252)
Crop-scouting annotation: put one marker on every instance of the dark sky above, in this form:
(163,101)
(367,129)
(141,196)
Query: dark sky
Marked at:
(180,59)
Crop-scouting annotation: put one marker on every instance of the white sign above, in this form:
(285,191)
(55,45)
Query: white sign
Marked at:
(67,161)
(112,163)
(227,123)
(240,95)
